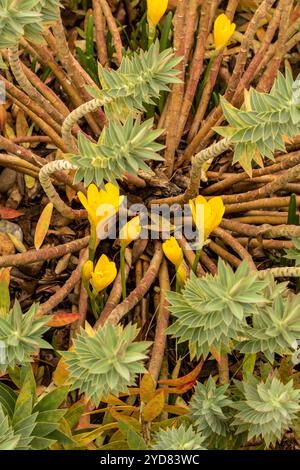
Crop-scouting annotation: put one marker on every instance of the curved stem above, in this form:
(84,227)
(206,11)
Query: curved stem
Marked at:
(191,191)
(27,87)
(44,176)
(77,114)
(280,272)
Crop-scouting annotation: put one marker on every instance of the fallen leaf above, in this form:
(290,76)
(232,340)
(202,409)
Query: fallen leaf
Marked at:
(17,243)
(43,225)
(63,319)
(8,213)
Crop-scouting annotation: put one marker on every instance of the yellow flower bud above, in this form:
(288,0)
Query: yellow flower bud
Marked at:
(130,232)
(173,251)
(223,30)
(156,10)
(182,273)
(87,270)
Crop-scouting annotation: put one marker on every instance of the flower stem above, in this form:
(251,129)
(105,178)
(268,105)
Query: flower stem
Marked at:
(122,270)
(196,261)
(151,34)
(93,243)
(178,283)
(93,302)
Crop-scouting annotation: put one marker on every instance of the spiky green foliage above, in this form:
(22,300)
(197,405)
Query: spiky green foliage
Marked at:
(25,18)
(275,329)
(267,409)
(107,362)
(49,10)
(182,438)
(294,253)
(212,309)
(121,148)
(259,130)
(21,335)
(209,409)
(140,79)
(8,439)
(126,143)
(31,423)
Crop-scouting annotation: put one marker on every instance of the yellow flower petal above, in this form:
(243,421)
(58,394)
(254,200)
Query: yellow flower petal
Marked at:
(156,10)
(92,194)
(182,273)
(217,210)
(83,200)
(173,251)
(130,232)
(102,263)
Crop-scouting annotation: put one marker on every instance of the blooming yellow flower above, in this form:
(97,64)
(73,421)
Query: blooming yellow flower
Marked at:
(130,232)
(156,10)
(173,251)
(213,211)
(101,204)
(104,274)
(223,30)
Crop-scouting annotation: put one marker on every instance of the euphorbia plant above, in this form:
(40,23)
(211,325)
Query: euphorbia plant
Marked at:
(125,144)
(25,19)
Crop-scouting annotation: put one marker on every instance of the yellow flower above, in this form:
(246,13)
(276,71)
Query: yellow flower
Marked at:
(223,30)
(104,274)
(213,211)
(182,273)
(130,232)
(174,254)
(87,270)
(173,251)
(101,204)
(156,10)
